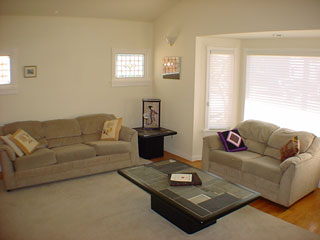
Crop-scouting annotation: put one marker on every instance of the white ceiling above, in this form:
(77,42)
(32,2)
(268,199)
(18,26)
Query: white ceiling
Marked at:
(138,10)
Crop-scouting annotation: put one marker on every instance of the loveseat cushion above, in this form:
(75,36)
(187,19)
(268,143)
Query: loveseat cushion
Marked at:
(282,135)
(39,158)
(62,132)
(256,134)
(73,152)
(232,159)
(264,167)
(110,147)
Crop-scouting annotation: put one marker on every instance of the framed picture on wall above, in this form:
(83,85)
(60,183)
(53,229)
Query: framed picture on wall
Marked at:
(151,113)
(30,71)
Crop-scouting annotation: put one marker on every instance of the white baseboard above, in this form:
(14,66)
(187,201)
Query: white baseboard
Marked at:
(183,155)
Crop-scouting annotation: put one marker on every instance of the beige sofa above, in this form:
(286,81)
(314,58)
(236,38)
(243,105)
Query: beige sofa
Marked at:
(260,168)
(68,148)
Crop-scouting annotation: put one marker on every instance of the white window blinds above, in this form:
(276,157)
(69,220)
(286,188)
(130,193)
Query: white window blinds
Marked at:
(220,88)
(284,90)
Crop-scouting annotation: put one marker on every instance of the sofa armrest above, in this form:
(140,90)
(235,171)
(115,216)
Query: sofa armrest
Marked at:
(7,167)
(6,148)
(294,161)
(126,134)
(130,135)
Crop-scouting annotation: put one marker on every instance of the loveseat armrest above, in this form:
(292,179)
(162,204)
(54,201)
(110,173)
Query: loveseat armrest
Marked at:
(213,142)
(210,143)
(294,161)
(130,135)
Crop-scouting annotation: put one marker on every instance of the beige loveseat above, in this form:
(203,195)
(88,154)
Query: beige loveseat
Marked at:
(260,168)
(68,148)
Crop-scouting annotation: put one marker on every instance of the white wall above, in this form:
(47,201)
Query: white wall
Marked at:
(190,19)
(73,56)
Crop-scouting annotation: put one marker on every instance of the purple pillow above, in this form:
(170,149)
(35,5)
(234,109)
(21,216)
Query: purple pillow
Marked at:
(232,141)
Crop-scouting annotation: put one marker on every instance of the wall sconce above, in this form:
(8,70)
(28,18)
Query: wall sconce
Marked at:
(171,40)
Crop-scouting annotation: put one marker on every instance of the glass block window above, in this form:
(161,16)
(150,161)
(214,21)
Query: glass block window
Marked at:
(5,77)
(129,65)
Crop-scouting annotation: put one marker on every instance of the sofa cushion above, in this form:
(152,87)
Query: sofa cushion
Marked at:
(93,123)
(232,159)
(73,152)
(110,147)
(61,128)
(34,128)
(282,135)
(65,141)
(264,167)
(39,158)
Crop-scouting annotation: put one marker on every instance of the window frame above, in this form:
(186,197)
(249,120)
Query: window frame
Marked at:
(132,81)
(12,87)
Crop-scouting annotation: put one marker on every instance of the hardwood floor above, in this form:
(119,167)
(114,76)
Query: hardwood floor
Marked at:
(305,213)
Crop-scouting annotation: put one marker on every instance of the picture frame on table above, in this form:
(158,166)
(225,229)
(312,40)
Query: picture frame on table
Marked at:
(151,113)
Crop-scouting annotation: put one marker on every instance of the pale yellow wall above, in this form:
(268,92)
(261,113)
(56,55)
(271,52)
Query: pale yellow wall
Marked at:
(190,19)
(73,56)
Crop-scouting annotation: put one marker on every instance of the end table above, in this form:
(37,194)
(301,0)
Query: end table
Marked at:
(151,141)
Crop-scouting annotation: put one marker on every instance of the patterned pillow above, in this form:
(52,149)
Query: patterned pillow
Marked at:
(111,129)
(232,141)
(290,149)
(25,142)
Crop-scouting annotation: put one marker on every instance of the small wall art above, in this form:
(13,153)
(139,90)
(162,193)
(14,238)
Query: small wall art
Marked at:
(171,67)
(30,71)
(151,113)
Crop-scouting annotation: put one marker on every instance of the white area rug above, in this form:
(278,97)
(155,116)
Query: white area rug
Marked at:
(107,206)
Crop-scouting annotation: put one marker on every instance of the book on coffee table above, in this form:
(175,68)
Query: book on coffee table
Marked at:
(184,179)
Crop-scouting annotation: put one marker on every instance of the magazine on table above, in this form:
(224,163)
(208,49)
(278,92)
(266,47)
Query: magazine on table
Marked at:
(184,179)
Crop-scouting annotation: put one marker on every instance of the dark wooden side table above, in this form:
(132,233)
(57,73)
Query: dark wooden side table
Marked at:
(151,141)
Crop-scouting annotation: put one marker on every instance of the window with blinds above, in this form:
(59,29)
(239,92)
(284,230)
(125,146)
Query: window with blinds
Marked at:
(284,90)
(220,88)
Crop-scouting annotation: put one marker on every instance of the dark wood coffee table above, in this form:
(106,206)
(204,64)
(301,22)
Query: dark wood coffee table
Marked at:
(191,208)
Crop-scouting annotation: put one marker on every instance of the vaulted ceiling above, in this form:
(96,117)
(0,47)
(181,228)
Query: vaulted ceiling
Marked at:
(138,10)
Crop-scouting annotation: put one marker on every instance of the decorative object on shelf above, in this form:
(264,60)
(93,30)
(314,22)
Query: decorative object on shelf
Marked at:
(171,68)
(30,71)
(151,113)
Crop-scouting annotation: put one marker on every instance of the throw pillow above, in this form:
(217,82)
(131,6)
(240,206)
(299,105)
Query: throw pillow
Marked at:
(15,148)
(25,142)
(232,141)
(290,149)
(111,129)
